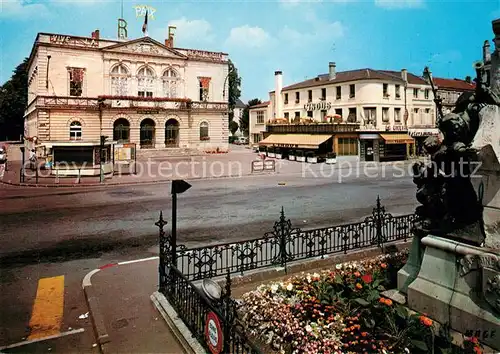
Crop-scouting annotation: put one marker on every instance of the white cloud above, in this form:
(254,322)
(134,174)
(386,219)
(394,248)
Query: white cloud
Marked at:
(191,32)
(399,4)
(21,9)
(248,37)
(317,31)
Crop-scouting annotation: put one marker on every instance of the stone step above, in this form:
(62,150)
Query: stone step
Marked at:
(167,152)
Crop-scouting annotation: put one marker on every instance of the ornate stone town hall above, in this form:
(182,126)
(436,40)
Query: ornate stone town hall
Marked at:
(139,92)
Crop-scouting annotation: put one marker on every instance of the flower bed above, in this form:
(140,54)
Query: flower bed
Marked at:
(339,311)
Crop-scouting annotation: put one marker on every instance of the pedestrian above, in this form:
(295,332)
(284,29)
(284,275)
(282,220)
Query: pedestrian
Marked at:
(32,158)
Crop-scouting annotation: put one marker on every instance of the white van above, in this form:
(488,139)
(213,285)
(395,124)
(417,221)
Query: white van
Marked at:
(241,141)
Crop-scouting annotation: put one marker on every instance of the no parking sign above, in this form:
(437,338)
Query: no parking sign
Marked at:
(213,333)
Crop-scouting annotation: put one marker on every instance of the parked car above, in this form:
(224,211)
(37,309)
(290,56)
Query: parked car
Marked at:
(241,141)
(3,155)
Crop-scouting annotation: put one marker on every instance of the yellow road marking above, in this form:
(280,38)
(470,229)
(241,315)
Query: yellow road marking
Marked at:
(47,314)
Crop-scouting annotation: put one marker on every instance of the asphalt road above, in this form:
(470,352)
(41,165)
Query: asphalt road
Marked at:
(51,232)
(47,225)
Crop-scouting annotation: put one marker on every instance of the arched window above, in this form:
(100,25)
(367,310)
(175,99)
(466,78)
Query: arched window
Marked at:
(147,135)
(172,133)
(121,130)
(204,131)
(119,81)
(75,131)
(170,83)
(145,82)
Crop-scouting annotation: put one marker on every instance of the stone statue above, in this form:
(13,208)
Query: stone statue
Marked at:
(451,204)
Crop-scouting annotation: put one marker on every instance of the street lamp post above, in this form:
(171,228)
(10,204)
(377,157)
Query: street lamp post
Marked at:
(100,102)
(179,186)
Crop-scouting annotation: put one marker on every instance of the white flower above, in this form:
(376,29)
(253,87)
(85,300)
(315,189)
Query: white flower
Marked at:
(309,329)
(274,288)
(289,287)
(407,350)
(308,278)
(338,266)
(316,276)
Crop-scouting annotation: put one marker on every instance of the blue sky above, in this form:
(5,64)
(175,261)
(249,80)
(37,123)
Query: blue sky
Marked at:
(297,37)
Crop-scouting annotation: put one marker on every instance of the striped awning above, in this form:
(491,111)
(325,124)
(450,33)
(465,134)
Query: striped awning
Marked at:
(401,138)
(302,141)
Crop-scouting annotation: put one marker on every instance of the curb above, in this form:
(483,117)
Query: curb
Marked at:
(183,335)
(162,181)
(95,313)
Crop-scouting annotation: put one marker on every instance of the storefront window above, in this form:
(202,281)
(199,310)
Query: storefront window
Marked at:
(347,146)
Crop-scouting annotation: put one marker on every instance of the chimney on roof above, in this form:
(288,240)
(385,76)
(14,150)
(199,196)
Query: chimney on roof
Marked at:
(332,73)
(95,34)
(278,86)
(486,53)
(169,42)
(404,75)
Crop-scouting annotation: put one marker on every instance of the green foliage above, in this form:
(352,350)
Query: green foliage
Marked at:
(233,127)
(13,100)
(245,117)
(234,91)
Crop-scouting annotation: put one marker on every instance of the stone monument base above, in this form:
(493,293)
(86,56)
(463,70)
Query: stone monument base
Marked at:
(455,286)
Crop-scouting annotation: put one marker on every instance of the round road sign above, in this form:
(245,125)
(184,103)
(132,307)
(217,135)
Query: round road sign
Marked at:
(213,333)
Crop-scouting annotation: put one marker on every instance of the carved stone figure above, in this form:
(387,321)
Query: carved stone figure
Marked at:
(451,207)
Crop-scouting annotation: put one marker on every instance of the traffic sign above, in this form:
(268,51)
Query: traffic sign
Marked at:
(213,333)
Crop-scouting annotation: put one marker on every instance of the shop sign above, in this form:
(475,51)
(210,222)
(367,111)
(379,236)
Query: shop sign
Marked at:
(324,106)
(286,145)
(74,41)
(148,111)
(369,136)
(399,128)
(423,132)
(213,333)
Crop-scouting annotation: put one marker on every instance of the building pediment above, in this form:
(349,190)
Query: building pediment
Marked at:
(145,46)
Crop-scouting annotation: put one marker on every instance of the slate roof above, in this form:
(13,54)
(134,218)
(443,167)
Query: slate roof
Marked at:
(239,104)
(261,105)
(354,75)
(453,84)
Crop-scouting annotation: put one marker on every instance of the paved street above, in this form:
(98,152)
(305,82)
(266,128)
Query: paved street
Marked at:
(47,233)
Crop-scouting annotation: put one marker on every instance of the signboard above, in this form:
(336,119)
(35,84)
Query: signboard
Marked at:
(398,128)
(124,152)
(324,106)
(201,54)
(213,333)
(74,41)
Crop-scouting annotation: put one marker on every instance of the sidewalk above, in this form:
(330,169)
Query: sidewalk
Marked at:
(236,164)
(126,321)
(122,312)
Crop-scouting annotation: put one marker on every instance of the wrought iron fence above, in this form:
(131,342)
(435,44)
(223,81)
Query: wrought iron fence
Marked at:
(180,266)
(193,306)
(286,243)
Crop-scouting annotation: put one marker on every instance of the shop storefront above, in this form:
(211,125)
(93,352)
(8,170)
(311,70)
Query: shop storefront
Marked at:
(420,135)
(82,158)
(382,147)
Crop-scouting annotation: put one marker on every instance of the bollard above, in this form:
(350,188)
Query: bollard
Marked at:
(79,175)
(36,174)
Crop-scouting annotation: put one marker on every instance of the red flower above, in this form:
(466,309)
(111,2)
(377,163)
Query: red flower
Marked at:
(367,278)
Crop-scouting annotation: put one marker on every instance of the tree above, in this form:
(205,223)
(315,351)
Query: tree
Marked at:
(245,117)
(233,127)
(234,92)
(468,79)
(13,100)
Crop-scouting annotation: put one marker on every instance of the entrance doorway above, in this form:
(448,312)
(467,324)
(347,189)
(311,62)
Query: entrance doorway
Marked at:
(369,150)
